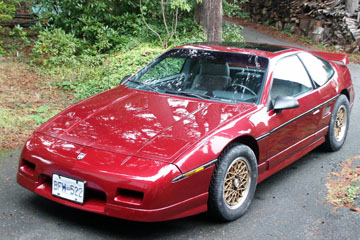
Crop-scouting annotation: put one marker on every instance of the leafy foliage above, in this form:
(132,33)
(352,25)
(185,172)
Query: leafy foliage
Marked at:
(18,31)
(55,47)
(109,24)
(232,33)
(7,9)
(7,12)
(87,75)
(88,46)
(97,22)
(233,9)
(15,40)
(168,13)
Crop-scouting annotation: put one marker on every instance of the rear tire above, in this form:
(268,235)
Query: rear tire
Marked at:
(233,183)
(339,125)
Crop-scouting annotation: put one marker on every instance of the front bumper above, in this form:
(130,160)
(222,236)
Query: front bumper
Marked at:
(181,209)
(139,189)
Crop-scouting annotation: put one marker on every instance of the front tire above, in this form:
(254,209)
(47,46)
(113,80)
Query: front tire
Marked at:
(339,125)
(233,183)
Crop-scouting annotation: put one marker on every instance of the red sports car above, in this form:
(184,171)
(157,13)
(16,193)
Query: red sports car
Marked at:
(195,130)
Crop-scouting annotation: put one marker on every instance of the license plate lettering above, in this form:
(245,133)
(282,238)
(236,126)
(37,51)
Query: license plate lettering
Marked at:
(63,187)
(68,188)
(72,190)
(78,192)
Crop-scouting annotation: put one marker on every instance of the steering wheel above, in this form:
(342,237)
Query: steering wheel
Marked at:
(245,87)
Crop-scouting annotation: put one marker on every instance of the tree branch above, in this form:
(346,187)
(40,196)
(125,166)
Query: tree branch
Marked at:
(176,23)
(148,26)
(164,16)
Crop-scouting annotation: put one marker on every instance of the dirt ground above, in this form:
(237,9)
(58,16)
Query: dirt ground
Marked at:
(27,99)
(344,185)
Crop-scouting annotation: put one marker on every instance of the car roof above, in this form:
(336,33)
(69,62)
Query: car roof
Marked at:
(259,49)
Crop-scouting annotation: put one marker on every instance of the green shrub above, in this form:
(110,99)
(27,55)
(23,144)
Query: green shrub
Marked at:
(55,47)
(232,33)
(90,46)
(19,33)
(111,24)
(100,22)
(7,12)
(88,75)
(7,9)
(234,9)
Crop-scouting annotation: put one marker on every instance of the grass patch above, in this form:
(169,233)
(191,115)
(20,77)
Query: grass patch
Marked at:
(17,122)
(43,113)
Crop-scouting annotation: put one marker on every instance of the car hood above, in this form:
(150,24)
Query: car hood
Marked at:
(140,123)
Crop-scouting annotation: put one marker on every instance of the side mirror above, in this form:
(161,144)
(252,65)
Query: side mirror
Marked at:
(285,102)
(124,79)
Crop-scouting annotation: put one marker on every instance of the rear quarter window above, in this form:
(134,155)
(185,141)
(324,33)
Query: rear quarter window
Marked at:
(320,70)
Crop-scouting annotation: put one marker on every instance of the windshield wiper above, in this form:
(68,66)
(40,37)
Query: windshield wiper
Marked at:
(189,94)
(143,84)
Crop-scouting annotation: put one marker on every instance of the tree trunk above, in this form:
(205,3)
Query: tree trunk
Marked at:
(351,5)
(209,15)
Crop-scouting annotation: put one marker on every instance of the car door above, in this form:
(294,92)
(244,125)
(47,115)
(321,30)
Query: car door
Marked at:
(324,78)
(291,130)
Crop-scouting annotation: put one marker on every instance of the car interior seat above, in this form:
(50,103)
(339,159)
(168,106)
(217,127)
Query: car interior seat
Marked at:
(212,76)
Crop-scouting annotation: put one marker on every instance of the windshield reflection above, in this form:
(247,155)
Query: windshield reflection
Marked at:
(211,75)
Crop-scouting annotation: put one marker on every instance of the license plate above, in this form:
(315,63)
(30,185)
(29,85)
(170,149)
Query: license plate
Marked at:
(68,188)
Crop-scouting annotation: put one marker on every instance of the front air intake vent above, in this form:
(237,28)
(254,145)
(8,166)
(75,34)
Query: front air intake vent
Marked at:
(27,167)
(129,196)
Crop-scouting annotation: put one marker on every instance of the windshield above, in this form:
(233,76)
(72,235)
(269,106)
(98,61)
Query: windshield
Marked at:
(217,76)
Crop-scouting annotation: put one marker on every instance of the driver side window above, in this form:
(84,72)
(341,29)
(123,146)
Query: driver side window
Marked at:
(290,78)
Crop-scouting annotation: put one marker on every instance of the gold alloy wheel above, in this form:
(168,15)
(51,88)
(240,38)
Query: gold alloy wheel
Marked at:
(340,123)
(236,183)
